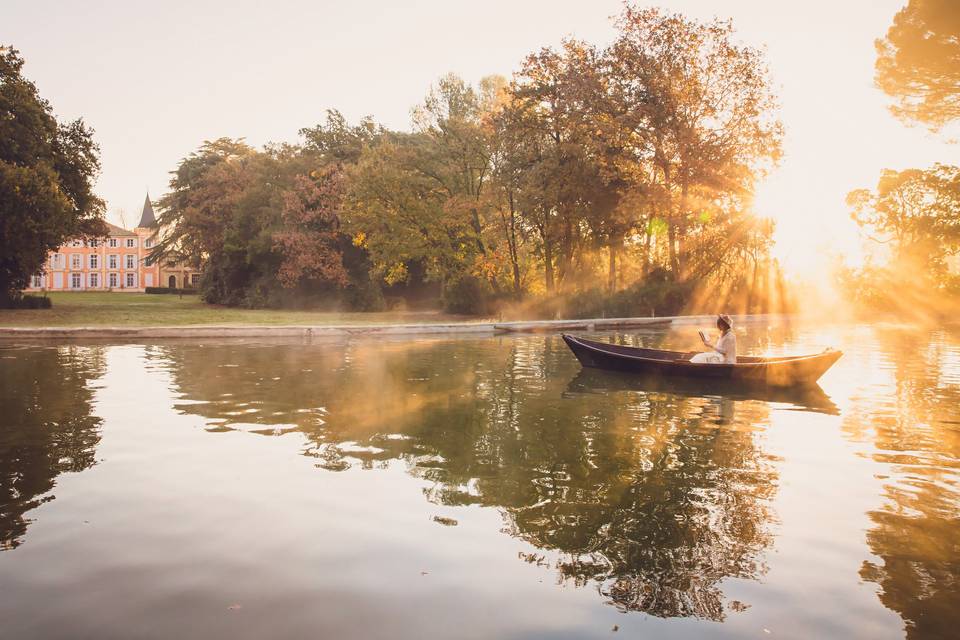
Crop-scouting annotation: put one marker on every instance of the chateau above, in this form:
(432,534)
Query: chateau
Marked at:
(118,262)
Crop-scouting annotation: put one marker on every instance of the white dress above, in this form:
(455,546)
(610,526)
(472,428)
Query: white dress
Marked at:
(724,351)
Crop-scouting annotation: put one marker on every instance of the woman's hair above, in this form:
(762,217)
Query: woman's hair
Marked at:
(723,321)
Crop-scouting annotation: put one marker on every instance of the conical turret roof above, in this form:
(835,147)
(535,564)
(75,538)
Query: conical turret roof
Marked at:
(147,219)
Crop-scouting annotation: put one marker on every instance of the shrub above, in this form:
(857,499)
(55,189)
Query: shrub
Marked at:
(467,294)
(365,295)
(657,295)
(26,302)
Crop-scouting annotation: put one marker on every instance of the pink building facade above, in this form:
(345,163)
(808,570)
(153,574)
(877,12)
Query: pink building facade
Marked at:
(118,262)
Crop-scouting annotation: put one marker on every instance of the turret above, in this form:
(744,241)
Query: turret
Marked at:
(147,219)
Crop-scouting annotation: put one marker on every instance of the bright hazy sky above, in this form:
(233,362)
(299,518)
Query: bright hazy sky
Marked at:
(157,79)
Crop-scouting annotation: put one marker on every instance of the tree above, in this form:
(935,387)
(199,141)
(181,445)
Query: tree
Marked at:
(918,63)
(547,129)
(265,225)
(398,213)
(47,170)
(697,107)
(310,237)
(337,141)
(917,213)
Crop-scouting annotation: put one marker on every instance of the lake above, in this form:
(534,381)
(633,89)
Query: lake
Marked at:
(477,488)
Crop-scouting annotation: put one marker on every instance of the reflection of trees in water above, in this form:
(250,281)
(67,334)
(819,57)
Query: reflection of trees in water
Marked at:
(916,532)
(639,493)
(45,427)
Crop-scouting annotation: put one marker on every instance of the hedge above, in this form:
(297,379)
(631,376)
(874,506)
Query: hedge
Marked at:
(181,292)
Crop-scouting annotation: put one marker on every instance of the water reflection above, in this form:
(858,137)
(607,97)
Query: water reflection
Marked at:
(663,497)
(913,422)
(639,493)
(725,393)
(46,427)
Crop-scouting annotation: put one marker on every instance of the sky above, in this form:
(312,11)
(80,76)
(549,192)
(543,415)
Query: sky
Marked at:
(156,79)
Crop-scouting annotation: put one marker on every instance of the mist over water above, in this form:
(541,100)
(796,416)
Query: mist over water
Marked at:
(482,487)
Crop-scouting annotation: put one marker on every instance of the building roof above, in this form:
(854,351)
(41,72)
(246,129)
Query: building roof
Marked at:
(114,230)
(147,219)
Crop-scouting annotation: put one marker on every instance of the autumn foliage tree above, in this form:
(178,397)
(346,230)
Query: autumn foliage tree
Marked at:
(912,218)
(309,238)
(598,172)
(265,227)
(916,213)
(918,63)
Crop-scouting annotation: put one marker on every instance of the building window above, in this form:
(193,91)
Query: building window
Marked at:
(75,261)
(112,261)
(94,243)
(131,280)
(131,242)
(112,243)
(94,261)
(74,280)
(131,261)
(148,243)
(56,261)
(194,279)
(76,243)
(36,281)
(112,280)
(94,280)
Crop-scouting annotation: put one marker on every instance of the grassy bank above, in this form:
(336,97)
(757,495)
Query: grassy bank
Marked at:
(96,309)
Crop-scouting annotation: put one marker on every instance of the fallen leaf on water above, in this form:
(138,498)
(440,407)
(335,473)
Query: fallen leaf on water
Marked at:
(233,607)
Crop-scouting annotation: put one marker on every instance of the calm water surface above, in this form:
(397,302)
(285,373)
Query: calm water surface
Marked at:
(476,488)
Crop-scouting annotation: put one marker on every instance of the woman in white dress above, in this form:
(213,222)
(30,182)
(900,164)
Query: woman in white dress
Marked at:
(724,350)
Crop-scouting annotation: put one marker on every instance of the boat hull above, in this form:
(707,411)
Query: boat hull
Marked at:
(776,372)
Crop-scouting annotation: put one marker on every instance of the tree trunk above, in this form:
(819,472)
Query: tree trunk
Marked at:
(672,239)
(512,244)
(566,250)
(548,264)
(682,232)
(645,266)
(478,230)
(612,272)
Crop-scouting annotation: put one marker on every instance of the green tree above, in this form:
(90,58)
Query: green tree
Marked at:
(918,63)
(427,196)
(47,170)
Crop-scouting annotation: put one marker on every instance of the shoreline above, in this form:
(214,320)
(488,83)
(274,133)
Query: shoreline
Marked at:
(334,330)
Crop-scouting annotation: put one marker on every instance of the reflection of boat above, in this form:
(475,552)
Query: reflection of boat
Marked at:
(582,325)
(779,372)
(806,397)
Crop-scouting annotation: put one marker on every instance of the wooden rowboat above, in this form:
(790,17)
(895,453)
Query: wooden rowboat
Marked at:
(775,372)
